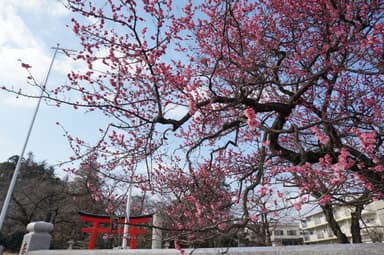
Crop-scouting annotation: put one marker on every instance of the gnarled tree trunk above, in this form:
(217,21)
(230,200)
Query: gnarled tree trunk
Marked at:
(355,224)
(332,223)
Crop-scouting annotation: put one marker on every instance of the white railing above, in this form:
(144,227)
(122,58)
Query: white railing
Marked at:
(37,242)
(331,249)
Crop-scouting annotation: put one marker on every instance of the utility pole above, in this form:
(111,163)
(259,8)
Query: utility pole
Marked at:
(18,164)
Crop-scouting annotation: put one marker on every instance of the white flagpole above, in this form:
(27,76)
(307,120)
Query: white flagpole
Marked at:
(124,245)
(18,164)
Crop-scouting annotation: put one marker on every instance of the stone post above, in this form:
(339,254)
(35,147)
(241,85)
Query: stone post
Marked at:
(156,232)
(38,237)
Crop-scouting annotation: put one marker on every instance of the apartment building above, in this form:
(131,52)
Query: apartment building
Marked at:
(281,234)
(286,234)
(315,227)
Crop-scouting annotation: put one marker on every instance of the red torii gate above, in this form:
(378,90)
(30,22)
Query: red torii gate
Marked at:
(114,224)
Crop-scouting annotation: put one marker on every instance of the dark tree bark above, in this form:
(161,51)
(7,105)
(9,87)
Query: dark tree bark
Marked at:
(266,231)
(332,223)
(355,224)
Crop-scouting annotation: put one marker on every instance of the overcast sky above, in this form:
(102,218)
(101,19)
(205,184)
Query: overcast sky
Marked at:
(28,31)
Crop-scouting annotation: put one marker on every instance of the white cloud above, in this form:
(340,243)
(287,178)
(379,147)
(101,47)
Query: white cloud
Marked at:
(28,29)
(19,102)
(14,76)
(19,41)
(14,30)
(10,68)
(175,111)
(51,7)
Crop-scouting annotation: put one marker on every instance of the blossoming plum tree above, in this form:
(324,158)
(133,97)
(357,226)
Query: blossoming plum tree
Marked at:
(215,95)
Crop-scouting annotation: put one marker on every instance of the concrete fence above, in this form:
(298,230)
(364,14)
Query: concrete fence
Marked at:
(37,241)
(336,249)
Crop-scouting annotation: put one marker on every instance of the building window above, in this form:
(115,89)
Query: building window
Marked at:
(338,213)
(346,212)
(320,234)
(369,220)
(279,232)
(291,232)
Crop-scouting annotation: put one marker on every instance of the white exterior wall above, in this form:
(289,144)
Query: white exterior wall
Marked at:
(285,232)
(317,231)
(281,234)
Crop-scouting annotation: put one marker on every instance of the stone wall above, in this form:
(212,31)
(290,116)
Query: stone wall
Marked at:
(331,249)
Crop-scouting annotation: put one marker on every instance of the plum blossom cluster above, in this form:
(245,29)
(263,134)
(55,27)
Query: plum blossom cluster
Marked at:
(251,118)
